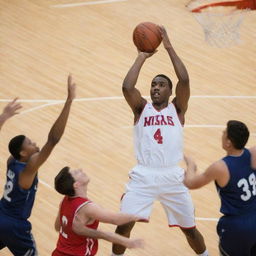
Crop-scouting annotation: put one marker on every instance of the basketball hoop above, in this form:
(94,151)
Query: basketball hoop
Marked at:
(221,20)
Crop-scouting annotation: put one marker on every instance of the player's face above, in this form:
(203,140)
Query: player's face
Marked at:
(80,176)
(29,148)
(160,90)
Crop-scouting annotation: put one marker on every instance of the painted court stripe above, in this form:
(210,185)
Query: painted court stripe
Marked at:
(188,126)
(86,3)
(45,184)
(122,98)
(207,219)
(204,126)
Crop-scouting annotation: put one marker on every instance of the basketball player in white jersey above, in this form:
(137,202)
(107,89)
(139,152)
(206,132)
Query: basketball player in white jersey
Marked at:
(158,139)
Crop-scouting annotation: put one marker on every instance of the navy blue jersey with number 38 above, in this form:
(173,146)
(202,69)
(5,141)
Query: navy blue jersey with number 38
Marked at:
(238,197)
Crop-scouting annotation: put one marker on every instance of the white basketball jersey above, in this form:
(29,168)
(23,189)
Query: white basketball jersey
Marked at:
(158,137)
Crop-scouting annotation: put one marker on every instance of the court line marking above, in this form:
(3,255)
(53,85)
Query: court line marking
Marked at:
(121,98)
(206,219)
(188,126)
(49,102)
(86,3)
(45,184)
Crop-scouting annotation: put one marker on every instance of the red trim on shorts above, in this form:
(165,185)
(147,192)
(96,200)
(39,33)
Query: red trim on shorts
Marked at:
(143,220)
(173,226)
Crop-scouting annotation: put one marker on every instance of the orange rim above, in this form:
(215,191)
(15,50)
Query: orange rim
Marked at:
(242,4)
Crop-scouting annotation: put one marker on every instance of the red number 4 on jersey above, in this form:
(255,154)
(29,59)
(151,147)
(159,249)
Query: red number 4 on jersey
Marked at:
(158,137)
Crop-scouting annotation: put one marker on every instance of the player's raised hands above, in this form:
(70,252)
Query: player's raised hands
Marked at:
(165,37)
(11,108)
(146,54)
(71,88)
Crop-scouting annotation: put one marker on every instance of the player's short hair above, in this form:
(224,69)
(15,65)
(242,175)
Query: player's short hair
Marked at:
(64,182)
(15,146)
(166,77)
(238,133)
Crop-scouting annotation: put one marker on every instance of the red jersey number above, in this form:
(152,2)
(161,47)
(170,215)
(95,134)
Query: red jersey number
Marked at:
(63,225)
(158,137)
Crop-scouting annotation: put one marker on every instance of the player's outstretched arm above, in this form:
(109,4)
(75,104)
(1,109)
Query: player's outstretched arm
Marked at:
(217,171)
(9,110)
(182,88)
(94,211)
(131,94)
(80,229)
(27,176)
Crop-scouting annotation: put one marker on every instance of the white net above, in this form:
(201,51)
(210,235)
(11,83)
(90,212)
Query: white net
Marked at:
(221,24)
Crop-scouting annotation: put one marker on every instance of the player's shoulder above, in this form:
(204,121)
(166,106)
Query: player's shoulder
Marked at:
(88,208)
(218,166)
(252,150)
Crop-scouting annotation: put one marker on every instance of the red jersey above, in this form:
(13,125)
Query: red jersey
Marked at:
(69,243)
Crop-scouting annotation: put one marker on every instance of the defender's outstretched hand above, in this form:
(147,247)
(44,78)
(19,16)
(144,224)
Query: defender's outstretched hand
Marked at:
(11,108)
(71,88)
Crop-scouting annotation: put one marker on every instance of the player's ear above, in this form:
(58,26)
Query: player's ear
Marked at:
(76,184)
(229,143)
(23,153)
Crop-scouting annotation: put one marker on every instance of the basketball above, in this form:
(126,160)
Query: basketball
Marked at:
(147,37)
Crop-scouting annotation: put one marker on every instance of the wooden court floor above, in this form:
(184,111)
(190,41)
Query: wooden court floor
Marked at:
(40,43)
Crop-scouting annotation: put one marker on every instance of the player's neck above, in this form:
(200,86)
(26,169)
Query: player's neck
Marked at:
(160,106)
(81,192)
(235,152)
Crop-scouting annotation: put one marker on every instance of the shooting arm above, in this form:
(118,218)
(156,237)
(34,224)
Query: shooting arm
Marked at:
(182,88)
(131,94)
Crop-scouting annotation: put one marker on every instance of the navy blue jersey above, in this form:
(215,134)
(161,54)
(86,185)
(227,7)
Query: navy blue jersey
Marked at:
(238,197)
(17,202)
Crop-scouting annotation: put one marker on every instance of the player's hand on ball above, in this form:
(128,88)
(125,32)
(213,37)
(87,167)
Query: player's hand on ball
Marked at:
(146,54)
(165,37)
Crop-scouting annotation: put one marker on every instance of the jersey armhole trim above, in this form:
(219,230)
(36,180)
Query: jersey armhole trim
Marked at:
(182,125)
(140,114)
(81,205)
(78,208)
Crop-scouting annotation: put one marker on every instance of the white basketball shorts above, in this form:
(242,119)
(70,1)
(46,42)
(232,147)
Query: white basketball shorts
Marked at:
(165,185)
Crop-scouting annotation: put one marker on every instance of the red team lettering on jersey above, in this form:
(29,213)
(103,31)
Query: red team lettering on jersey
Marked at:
(70,243)
(158,120)
(158,137)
